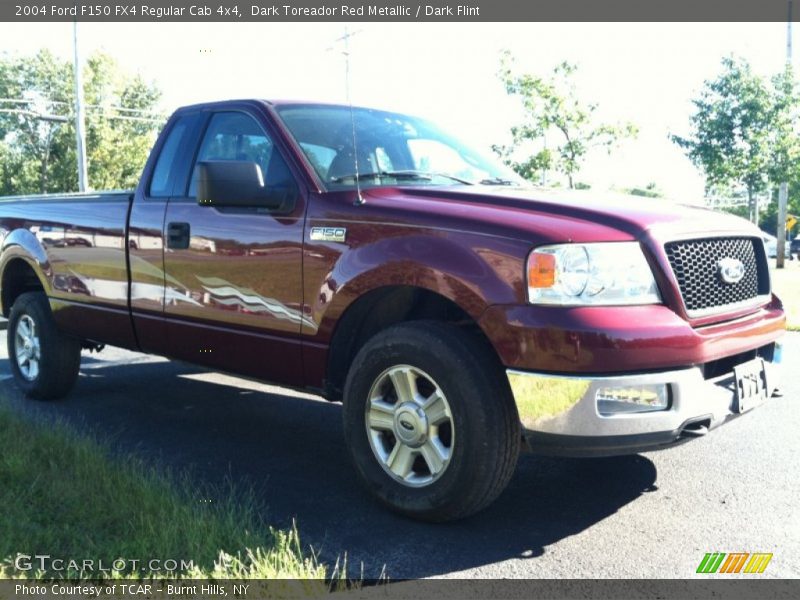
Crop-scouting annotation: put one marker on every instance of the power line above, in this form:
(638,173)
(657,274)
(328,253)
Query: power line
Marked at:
(101,106)
(132,114)
(45,117)
(29,113)
(126,118)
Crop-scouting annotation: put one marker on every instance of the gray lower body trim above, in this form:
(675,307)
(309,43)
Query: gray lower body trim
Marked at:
(560,412)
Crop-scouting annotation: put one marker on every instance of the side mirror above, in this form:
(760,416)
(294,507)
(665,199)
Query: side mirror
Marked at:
(239,183)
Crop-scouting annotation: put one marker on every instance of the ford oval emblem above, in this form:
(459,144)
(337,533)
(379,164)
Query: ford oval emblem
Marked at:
(407,425)
(731,270)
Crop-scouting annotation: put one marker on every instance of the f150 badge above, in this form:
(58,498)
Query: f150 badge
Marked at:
(731,270)
(328,234)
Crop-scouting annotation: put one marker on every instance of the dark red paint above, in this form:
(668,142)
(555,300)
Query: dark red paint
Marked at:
(253,295)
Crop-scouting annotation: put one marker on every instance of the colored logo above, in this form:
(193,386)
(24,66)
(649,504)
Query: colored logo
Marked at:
(734,562)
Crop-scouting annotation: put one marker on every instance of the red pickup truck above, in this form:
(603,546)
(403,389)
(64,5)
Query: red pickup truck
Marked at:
(460,315)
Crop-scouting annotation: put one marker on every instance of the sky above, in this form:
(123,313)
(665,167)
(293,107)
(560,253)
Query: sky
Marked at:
(644,73)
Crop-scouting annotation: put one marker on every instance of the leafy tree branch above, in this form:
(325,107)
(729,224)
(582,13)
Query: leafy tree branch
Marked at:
(553,111)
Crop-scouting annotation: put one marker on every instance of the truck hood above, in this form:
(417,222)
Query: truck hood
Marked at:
(592,216)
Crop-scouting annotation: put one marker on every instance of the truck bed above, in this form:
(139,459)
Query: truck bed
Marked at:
(104,195)
(79,242)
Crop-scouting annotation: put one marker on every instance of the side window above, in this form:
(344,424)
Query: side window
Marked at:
(237,136)
(433,155)
(320,157)
(161,182)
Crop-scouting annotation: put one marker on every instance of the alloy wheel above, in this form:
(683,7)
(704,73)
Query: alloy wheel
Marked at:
(410,426)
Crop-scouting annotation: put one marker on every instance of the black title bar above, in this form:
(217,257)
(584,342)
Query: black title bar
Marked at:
(386,11)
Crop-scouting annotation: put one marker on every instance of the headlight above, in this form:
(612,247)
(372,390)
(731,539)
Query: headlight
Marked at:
(591,274)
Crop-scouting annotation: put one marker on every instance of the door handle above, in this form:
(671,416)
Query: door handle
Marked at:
(178,236)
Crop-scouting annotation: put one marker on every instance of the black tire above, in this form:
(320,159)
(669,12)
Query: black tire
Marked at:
(485,437)
(59,355)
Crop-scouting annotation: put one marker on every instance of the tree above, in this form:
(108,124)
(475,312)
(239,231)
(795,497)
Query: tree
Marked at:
(731,139)
(31,131)
(784,139)
(649,191)
(552,111)
(37,132)
(785,151)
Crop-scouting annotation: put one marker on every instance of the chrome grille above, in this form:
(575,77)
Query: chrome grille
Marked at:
(696,268)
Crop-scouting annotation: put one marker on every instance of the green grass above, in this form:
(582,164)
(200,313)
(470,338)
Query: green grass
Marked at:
(539,398)
(786,284)
(63,494)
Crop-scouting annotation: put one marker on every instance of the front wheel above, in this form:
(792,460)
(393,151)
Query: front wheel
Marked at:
(430,422)
(44,361)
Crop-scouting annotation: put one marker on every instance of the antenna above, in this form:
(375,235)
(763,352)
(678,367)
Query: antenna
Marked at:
(346,52)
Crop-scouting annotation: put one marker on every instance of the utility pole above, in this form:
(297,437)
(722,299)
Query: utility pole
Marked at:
(80,126)
(783,191)
(346,52)
(345,41)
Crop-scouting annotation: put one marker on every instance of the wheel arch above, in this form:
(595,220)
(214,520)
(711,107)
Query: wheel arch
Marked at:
(19,276)
(24,267)
(379,309)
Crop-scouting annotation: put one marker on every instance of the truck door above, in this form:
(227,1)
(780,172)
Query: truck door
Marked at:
(145,240)
(233,297)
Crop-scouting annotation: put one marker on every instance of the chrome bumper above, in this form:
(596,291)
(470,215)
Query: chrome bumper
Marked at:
(559,413)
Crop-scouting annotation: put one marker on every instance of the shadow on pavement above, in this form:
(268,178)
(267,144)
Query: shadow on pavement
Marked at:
(292,451)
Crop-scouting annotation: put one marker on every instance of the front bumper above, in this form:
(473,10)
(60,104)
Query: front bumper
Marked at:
(560,415)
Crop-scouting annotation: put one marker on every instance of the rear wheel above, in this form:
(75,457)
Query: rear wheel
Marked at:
(44,361)
(430,422)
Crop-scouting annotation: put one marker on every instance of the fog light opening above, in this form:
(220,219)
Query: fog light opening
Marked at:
(616,400)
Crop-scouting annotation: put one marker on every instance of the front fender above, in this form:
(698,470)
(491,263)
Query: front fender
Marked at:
(472,270)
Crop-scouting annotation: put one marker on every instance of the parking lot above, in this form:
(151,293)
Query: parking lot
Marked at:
(652,515)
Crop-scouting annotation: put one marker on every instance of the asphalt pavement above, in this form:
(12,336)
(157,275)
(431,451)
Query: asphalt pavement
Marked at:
(651,515)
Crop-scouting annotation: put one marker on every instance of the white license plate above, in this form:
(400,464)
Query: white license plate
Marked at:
(751,385)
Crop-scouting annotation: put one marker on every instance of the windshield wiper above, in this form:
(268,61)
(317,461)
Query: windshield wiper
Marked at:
(413,175)
(497,181)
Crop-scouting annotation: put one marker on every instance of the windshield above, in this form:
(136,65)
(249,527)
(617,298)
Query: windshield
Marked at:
(391,149)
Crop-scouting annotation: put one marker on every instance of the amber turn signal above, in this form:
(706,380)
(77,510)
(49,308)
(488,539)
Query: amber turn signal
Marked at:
(541,270)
